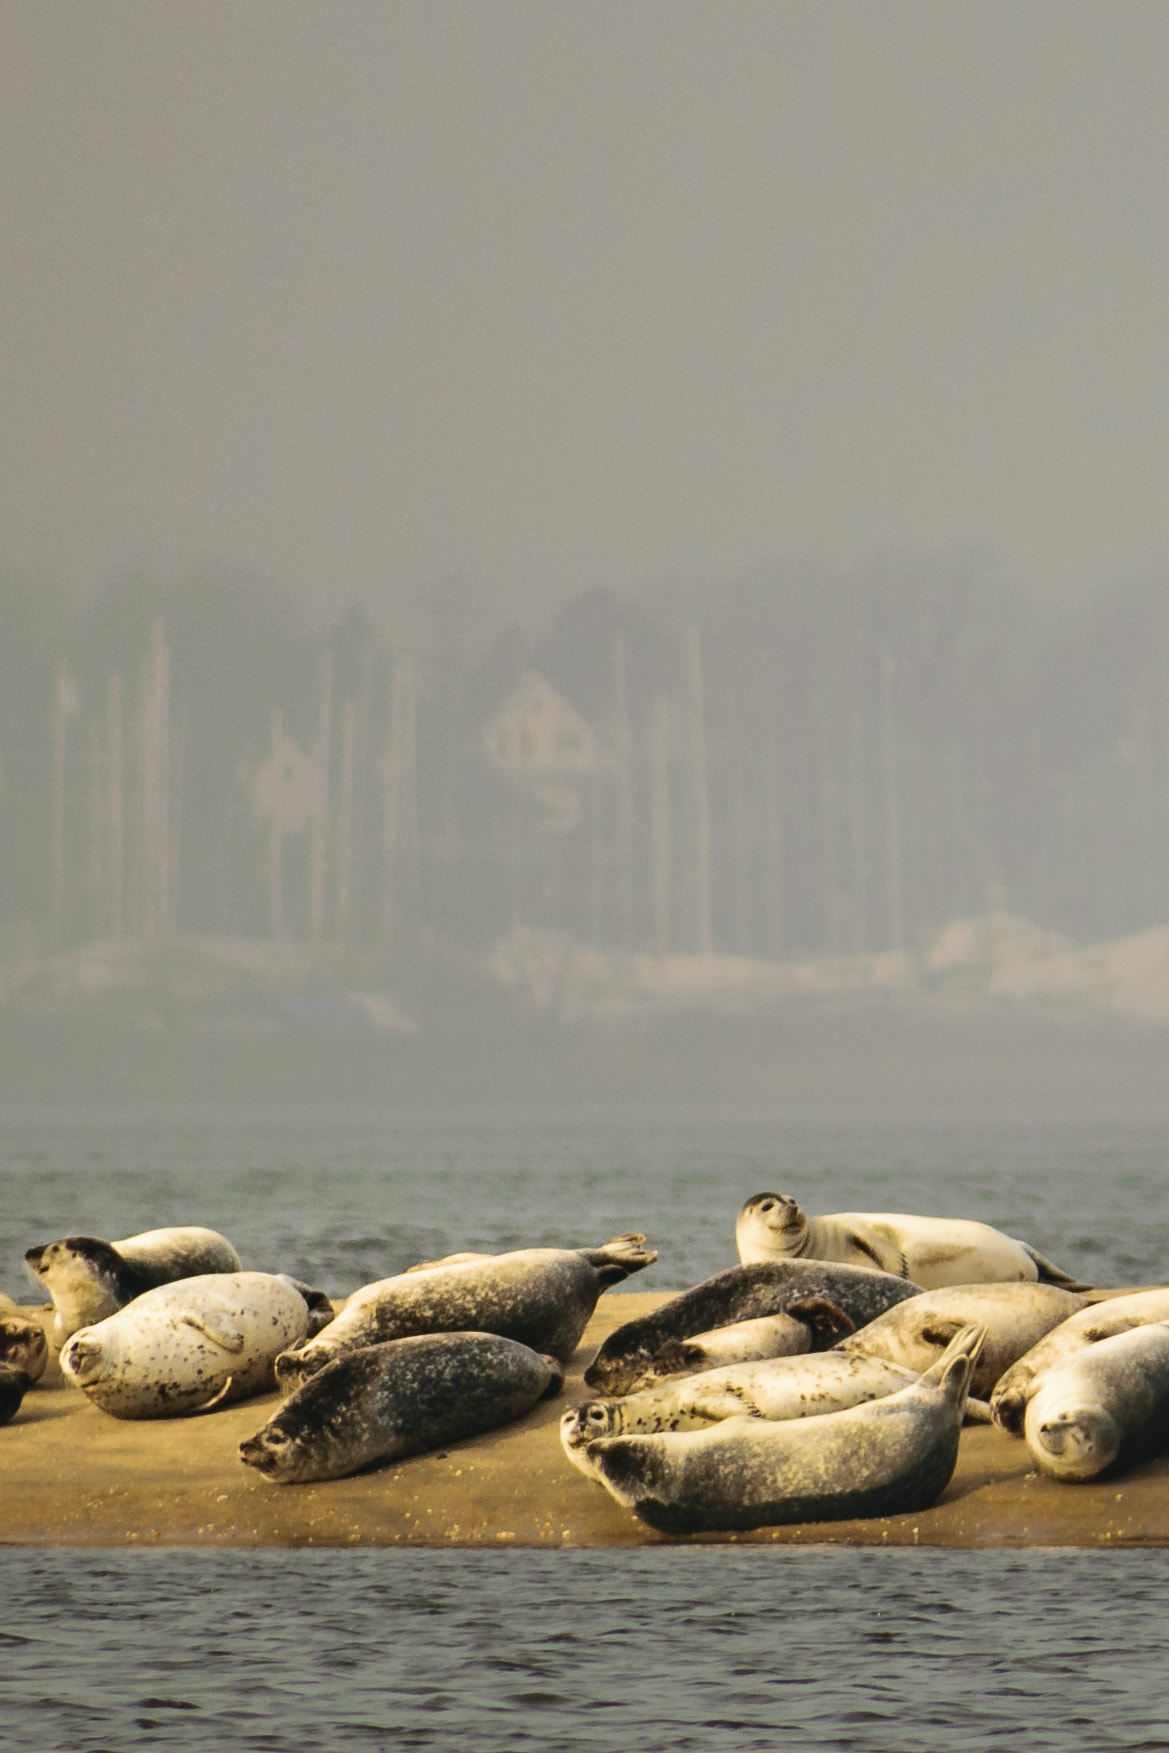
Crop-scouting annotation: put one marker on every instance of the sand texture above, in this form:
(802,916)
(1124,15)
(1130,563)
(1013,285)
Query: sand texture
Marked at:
(73,1476)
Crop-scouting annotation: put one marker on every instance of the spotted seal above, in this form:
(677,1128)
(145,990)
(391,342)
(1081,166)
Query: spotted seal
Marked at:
(931,1252)
(810,1323)
(883,1458)
(542,1297)
(740,1294)
(187,1346)
(398,1397)
(776,1388)
(1008,1403)
(89,1279)
(1107,1405)
(1014,1317)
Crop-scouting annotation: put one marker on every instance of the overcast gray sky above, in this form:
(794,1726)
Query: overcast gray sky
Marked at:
(361,295)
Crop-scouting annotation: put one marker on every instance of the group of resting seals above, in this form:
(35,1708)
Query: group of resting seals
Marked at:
(809,1382)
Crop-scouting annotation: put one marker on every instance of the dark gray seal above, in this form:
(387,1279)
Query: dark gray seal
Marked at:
(89,1279)
(397,1398)
(23,1345)
(542,1297)
(742,1293)
(888,1457)
(14,1385)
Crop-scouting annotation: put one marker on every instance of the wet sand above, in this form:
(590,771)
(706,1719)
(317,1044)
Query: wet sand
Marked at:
(72,1476)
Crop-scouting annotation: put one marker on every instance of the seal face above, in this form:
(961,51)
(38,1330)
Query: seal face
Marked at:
(742,1294)
(1105,1406)
(396,1398)
(774,1388)
(542,1297)
(931,1252)
(187,1346)
(887,1457)
(89,1279)
(23,1346)
(1014,1317)
(1008,1403)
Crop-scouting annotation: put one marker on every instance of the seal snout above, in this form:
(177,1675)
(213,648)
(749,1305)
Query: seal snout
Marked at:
(82,1359)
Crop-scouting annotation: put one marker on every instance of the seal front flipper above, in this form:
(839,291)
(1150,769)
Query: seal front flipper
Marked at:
(216,1329)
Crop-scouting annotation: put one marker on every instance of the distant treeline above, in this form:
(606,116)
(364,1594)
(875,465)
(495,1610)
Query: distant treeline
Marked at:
(799,762)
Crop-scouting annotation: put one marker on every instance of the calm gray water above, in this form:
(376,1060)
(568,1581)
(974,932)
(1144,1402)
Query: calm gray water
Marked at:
(637,1650)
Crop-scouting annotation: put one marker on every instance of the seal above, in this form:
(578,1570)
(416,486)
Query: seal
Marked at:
(23,1345)
(1014,1317)
(775,1388)
(14,1385)
(741,1293)
(813,1319)
(1008,1403)
(1106,1406)
(883,1458)
(397,1398)
(931,1252)
(89,1279)
(542,1297)
(188,1346)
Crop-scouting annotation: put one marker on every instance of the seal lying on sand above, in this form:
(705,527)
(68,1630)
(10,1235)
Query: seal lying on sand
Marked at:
(929,1251)
(776,1388)
(740,1294)
(398,1397)
(89,1279)
(188,1346)
(883,1458)
(1008,1403)
(1014,1317)
(542,1297)
(808,1325)
(1105,1405)
(23,1345)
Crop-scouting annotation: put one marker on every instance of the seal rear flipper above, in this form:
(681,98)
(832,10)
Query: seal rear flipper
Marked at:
(954,1369)
(1049,1274)
(619,1259)
(219,1333)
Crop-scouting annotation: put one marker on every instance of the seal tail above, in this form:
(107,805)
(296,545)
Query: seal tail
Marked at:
(1049,1274)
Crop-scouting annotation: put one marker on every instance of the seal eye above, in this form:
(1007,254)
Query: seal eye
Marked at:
(768,1205)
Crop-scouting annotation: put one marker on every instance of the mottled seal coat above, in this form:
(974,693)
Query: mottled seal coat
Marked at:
(187,1346)
(928,1251)
(542,1297)
(884,1458)
(777,1388)
(741,1293)
(1008,1403)
(1015,1316)
(396,1398)
(23,1345)
(1105,1406)
(89,1279)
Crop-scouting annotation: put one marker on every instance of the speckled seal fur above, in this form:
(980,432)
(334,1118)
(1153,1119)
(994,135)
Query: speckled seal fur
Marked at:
(188,1346)
(89,1279)
(542,1297)
(397,1398)
(742,1293)
(887,1457)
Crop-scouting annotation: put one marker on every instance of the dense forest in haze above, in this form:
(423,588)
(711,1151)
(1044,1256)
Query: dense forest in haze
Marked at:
(798,762)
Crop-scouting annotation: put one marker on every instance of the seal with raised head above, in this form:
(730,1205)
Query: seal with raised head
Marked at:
(741,1294)
(775,1388)
(89,1279)
(396,1398)
(543,1297)
(1013,1316)
(931,1252)
(187,1346)
(1120,1314)
(884,1458)
(1105,1406)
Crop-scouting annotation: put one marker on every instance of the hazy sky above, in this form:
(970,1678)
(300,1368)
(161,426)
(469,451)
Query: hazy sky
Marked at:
(551,294)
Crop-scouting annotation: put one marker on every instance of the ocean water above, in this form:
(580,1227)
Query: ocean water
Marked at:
(652,1649)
